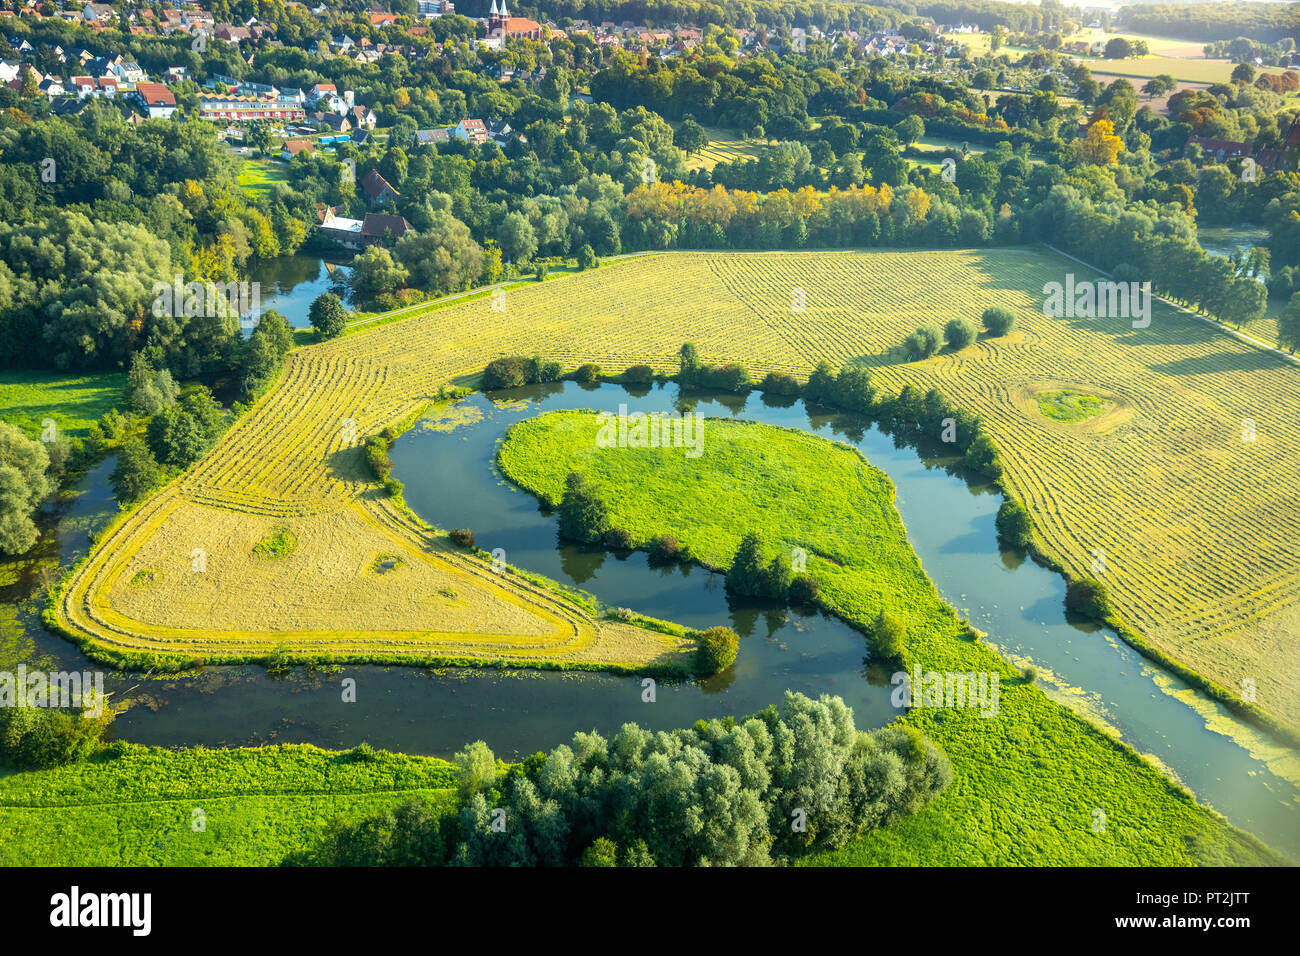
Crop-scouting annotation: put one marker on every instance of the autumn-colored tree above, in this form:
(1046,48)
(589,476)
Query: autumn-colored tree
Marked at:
(1099,146)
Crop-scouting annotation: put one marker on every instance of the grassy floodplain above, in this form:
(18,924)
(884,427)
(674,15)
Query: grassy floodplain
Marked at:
(75,402)
(1198,527)
(1028,781)
(135,806)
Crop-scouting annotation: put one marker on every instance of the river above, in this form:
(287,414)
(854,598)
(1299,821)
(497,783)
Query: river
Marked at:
(451,479)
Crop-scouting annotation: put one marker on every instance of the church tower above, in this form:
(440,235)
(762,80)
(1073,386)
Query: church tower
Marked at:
(497,17)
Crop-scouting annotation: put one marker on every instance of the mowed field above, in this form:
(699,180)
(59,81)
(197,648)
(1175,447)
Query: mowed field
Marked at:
(28,398)
(1196,528)
(723,148)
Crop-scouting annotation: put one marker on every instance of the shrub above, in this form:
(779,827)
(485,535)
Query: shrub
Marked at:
(618,539)
(1030,674)
(586,374)
(779,383)
(959,333)
(587,258)
(664,547)
(820,387)
(36,738)
(805,589)
(717,650)
(1089,598)
(887,633)
(363,753)
(998,319)
(982,455)
(393,487)
(924,342)
(375,450)
(463,537)
(1014,526)
(508,372)
(639,375)
(539,271)
(731,377)
(583,516)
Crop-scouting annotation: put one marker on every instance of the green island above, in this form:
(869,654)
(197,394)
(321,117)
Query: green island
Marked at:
(1026,795)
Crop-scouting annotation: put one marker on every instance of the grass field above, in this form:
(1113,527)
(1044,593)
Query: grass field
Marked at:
(1028,780)
(74,402)
(723,148)
(1198,527)
(135,806)
(258,175)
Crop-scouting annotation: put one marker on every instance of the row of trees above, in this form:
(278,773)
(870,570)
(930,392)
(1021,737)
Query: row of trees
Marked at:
(733,792)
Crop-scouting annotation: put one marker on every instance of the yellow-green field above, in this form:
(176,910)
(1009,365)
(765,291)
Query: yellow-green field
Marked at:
(1198,528)
(259,175)
(723,148)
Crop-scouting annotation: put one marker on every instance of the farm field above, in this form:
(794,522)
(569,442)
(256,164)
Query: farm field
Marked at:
(1043,768)
(75,402)
(134,806)
(1211,582)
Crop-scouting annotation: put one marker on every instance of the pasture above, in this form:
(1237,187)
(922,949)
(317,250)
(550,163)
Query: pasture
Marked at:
(1043,769)
(723,147)
(1197,526)
(75,402)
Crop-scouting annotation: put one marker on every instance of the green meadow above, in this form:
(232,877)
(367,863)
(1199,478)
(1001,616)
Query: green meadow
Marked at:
(1029,782)
(75,402)
(136,806)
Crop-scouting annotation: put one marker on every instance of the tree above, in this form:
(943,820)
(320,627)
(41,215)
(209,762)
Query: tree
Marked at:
(148,391)
(717,649)
(443,256)
(476,769)
(1243,73)
(998,319)
(374,273)
(587,258)
(23,485)
(689,363)
(1099,145)
(959,333)
(887,633)
(136,473)
(749,571)
(1118,48)
(1013,524)
(517,237)
(602,852)
(328,316)
(924,342)
(1089,598)
(176,438)
(583,516)
(690,136)
(258,137)
(1288,325)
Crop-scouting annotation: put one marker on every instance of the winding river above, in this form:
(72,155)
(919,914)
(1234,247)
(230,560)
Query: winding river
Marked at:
(452,481)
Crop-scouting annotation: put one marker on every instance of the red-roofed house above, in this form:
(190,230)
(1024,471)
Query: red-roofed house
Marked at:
(158,101)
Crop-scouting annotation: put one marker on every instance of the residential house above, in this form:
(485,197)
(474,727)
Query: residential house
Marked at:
(158,101)
(99,13)
(346,232)
(225,107)
(336,122)
(363,116)
(378,189)
(471,130)
(431,137)
(378,227)
(292,147)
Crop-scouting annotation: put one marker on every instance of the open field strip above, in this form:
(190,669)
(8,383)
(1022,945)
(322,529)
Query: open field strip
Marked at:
(74,401)
(1198,530)
(134,806)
